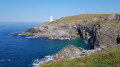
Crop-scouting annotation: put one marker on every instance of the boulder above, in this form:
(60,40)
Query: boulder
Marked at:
(68,52)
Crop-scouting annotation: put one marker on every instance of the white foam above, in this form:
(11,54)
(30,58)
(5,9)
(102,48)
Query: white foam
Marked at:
(38,62)
(60,38)
(64,38)
(4,60)
(19,34)
(51,38)
(31,37)
(86,42)
(9,60)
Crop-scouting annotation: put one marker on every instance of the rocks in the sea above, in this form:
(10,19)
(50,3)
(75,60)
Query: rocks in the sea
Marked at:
(26,34)
(43,59)
(68,52)
(14,34)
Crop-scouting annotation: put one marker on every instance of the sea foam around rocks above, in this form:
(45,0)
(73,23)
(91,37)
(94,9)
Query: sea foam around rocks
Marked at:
(38,61)
(60,38)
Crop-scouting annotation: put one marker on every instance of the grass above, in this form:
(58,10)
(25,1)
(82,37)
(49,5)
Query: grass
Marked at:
(76,18)
(107,58)
(79,17)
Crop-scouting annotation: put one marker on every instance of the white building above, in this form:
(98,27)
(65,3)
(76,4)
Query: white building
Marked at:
(51,19)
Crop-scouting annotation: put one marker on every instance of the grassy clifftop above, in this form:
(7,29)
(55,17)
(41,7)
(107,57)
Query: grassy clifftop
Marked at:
(81,17)
(107,58)
(77,18)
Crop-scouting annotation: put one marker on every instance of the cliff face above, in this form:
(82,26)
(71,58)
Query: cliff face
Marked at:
(99,30)
(61,30)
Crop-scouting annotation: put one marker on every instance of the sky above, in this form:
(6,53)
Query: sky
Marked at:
(41,10)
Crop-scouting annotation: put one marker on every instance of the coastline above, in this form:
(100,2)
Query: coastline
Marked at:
(99,32)
(84,53)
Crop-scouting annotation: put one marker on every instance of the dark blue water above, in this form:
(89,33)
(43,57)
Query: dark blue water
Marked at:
(20,51)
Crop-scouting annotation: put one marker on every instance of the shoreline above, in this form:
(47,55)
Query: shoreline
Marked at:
(50,37)
(83,54)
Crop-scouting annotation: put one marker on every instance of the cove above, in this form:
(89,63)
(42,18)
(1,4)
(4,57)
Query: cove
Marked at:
(21,51)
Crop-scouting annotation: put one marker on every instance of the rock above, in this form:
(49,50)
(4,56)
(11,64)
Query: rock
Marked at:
(33,30)
(81,49)
(114,17)
(68,52)
(118,39)
(100,19)
(14,34)
(43,59)
(26,34)
(111,17)
(99,49)
(62,30)
(23,35)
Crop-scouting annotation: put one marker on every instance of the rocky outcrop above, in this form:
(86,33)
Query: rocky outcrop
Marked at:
(111,17)
(100,32)
(68,52)
(62,30)
(14,34)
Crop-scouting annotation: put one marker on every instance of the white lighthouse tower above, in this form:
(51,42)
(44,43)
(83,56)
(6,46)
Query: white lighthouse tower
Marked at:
(51,19)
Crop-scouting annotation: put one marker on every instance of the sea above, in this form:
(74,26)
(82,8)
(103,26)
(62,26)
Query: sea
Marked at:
(17,51)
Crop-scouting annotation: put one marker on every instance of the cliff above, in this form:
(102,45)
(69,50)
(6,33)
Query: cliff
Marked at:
(100,30)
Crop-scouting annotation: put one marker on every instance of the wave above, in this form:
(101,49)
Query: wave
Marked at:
(64,38)
(60,38)
(38,61)
(31,37)
(86,42)
(4,60)
(19,34)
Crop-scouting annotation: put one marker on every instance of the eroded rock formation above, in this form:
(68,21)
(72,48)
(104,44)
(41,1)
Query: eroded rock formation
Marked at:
(68,52)
(100,32)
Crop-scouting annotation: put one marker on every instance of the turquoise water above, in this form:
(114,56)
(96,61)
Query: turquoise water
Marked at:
(21,51)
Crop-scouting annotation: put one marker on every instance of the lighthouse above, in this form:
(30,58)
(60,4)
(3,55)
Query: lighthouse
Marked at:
(51,19)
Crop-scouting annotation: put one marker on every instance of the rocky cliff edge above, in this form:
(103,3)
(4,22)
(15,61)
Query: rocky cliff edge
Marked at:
(100,30)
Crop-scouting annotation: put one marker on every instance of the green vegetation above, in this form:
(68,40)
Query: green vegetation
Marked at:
(77,33)
(80,17)
(107,58)
(76,18)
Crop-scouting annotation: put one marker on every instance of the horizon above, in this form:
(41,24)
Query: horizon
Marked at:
(40,11)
